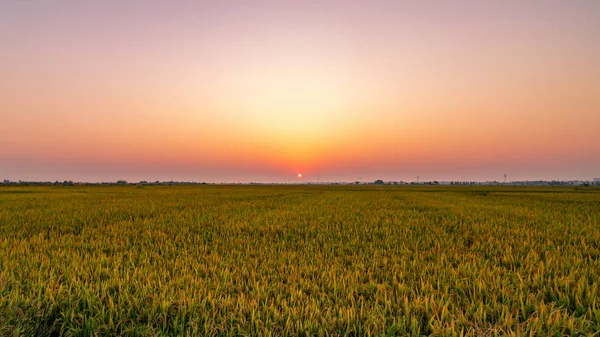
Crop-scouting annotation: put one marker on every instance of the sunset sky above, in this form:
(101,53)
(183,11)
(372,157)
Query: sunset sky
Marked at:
(264,90)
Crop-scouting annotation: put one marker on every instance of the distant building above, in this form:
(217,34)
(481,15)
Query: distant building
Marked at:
(597,181)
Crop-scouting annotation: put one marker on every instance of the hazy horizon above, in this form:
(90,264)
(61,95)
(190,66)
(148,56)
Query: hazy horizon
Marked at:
(260,91)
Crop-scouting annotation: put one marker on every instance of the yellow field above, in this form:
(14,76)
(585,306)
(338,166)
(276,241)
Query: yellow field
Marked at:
(299,261)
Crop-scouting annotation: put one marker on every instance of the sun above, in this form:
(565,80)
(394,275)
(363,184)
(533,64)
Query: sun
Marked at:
(299,175)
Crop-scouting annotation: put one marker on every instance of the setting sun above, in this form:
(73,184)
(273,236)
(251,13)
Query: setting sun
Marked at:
(299,175)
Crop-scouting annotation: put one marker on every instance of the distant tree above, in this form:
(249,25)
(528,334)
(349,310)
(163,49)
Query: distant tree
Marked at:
(378,182)
(121,182)
(143,182)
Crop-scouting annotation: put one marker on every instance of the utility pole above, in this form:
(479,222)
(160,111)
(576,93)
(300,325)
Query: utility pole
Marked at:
(417,179)
(505,178)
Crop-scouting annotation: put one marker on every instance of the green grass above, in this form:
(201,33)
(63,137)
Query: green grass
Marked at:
(299,261)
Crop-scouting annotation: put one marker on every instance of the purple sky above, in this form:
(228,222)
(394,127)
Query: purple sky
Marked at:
(264,90)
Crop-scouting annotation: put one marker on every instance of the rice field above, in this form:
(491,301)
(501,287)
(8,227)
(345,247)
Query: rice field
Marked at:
(299,261)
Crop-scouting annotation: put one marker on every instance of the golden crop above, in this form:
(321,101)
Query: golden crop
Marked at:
(299,261)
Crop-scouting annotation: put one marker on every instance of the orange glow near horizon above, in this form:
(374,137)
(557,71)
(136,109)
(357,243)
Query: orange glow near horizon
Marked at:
(263,90)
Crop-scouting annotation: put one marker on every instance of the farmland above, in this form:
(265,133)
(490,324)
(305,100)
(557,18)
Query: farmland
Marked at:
(299,260)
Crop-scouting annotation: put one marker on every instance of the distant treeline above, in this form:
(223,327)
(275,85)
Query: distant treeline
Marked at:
(488,183)
(78,183)
(376,182)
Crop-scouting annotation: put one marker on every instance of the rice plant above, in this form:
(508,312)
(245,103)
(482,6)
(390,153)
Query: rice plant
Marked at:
(299,261)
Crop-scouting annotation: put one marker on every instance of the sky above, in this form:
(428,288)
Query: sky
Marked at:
(242,91)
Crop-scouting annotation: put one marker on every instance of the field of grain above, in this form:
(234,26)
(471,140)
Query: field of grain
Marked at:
(299,261)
